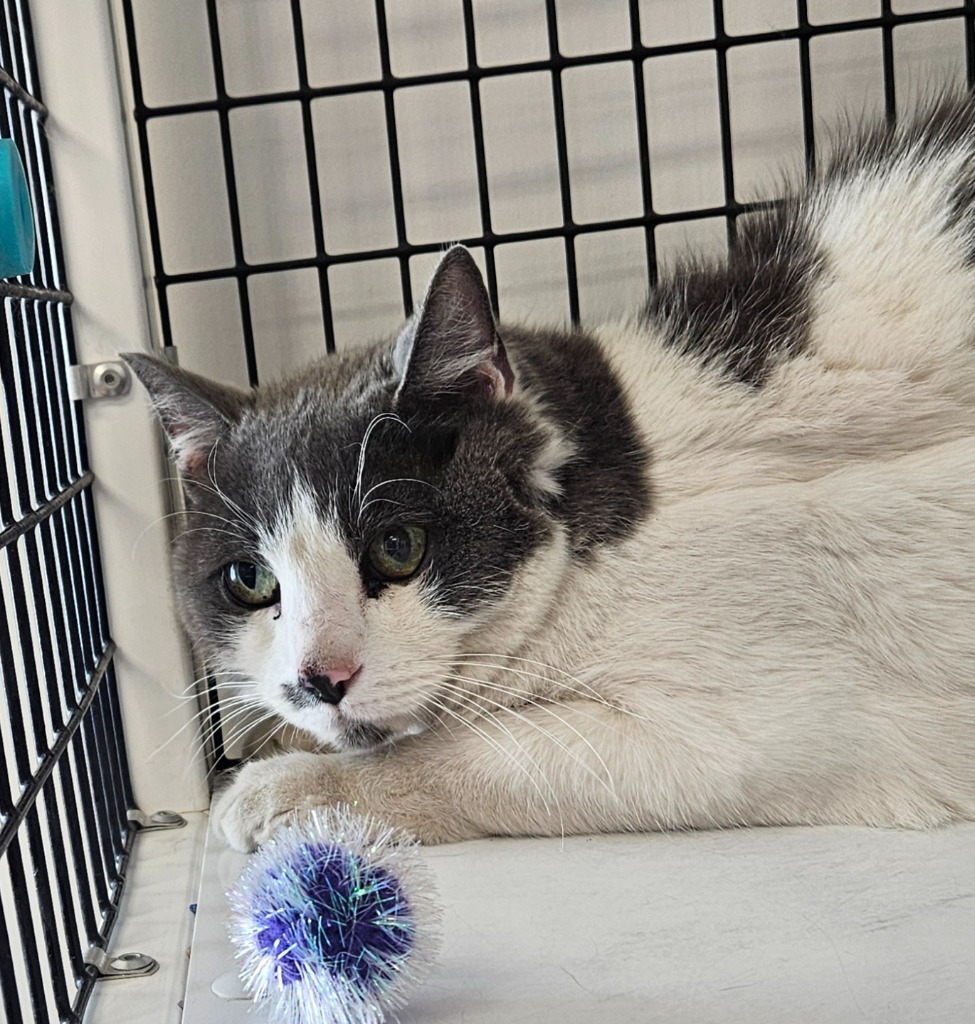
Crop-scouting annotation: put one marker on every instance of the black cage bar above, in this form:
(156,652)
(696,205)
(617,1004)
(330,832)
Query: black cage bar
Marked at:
(64,790)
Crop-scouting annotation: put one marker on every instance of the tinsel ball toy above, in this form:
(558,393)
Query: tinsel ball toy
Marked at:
(334,920)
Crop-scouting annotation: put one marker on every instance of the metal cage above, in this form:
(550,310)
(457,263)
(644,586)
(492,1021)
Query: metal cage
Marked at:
(65,794)
(387,84)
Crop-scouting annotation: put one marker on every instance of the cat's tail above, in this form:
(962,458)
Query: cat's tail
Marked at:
(870,264)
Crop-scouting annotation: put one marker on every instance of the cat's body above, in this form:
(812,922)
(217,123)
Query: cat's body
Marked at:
(712,567)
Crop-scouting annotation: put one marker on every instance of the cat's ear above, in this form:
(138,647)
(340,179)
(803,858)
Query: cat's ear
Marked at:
(194,412)
(452,345)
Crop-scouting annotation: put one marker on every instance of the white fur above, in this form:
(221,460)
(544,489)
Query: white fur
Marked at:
(790,638)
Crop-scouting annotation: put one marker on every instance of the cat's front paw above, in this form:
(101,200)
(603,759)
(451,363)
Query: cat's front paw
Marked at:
(264,794)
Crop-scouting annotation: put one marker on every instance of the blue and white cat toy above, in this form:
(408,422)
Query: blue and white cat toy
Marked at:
(334,920)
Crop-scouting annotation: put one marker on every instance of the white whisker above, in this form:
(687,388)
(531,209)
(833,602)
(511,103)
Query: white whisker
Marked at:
(496,745)
(356,496)
(607,783)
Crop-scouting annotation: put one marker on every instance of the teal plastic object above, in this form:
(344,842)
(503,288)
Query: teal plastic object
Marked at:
(16,215)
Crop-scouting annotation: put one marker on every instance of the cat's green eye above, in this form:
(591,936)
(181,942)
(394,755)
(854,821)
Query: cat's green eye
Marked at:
(397,552)
(251,585)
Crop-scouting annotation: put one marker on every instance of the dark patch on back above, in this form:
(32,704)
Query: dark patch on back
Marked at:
(605,487)
(941,124)
(750,312)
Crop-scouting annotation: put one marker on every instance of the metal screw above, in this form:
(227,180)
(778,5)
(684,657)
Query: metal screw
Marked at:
(124,965)
(143,822)
(109,380)
(132,962)
(167,818)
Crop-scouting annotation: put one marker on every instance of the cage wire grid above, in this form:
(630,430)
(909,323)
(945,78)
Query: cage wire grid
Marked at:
(64,790)
(476,75)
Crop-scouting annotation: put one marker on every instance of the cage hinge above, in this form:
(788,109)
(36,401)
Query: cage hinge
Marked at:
(110,379)
(142,822)
(124,965)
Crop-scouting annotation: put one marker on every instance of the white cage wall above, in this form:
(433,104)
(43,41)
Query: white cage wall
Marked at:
(575,146)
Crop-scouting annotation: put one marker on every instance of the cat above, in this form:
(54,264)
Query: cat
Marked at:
(711,566)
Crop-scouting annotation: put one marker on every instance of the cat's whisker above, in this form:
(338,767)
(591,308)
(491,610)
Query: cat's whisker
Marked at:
(246,519)
(202,720)
(364,501)
(210,530)
(498,746)
(245,523)
(242,722)
(579,686)
(372,501)
(607,783)
(184,513)
(193,690)
(269,737)
(530,696)
(497,656)
(355,498)
(222,715)
(529,699)
(534,700)
(196,687)
(202,712)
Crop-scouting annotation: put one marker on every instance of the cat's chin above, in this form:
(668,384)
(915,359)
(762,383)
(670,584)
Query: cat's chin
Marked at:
(360,736)
(342,734)
(363,737)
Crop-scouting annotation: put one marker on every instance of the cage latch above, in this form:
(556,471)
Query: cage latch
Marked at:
(124,965)
(110,379)
(142,822)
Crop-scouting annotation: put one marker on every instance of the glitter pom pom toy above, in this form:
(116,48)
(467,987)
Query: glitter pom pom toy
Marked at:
(334,920)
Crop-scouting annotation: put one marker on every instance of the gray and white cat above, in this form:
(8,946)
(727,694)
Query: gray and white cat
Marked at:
(712,566)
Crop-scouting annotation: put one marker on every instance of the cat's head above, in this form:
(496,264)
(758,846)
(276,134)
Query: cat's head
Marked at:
(350,532)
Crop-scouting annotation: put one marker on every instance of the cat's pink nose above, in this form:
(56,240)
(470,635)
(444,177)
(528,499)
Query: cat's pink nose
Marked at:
(341,675)
(328,685)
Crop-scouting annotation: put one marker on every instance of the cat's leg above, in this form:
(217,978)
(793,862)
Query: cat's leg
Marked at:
(571,768)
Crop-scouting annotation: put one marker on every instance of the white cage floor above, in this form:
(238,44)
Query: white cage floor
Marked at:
(826,925)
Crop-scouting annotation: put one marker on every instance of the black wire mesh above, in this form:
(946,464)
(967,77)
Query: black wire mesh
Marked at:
(475,75)
(64,790)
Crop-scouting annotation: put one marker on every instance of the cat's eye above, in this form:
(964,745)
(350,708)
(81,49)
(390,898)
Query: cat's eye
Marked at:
(397,552)
(251,585)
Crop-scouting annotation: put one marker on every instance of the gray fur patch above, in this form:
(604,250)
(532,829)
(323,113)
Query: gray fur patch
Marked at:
(460,466)
(752,311)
